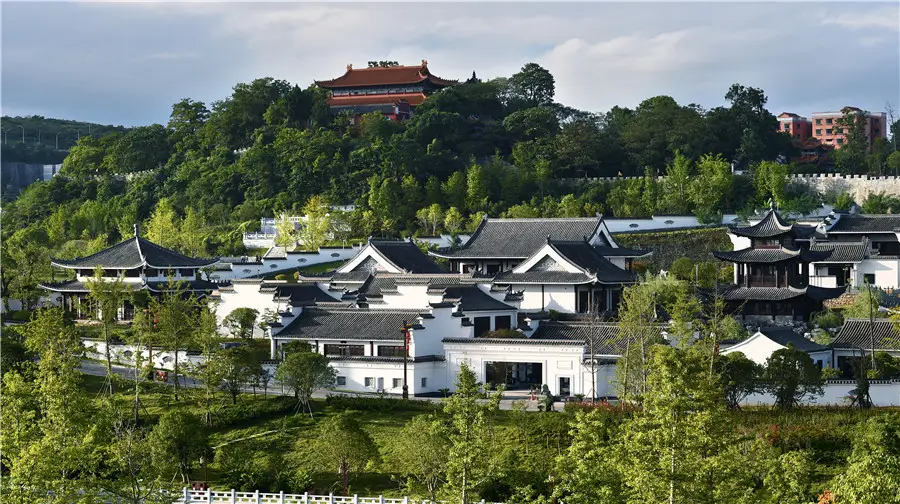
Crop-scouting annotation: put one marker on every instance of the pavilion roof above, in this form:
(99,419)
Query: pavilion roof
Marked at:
(134,253)
(382,76)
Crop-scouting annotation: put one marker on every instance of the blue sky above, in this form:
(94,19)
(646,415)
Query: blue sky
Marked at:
(127,63)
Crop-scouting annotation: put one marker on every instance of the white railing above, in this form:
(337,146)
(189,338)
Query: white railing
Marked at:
(234,497)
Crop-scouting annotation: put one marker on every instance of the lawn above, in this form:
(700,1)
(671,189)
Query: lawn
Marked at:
(307,270)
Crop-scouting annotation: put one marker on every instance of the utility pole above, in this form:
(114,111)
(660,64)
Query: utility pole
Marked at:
(23,132)
(871,325)
(6,135)
(405,330)
(57,140)
(39,135)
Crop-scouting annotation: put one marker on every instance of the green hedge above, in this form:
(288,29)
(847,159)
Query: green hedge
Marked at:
(667,246)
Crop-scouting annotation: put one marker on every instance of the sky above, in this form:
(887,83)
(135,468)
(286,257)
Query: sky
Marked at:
(126,62)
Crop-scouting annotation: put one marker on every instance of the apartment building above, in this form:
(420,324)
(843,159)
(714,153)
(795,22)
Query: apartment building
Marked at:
(823,128)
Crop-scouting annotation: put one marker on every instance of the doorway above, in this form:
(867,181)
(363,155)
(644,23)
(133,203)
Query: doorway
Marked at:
(565,386)
(515,375)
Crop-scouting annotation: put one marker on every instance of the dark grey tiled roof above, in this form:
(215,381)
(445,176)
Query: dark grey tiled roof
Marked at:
(770,226)
(736,293)
(759,255)
(407,256)
(857,333)
(591,262)
(785,336)
(841,252)
(191,285)
(160,286)
(76,286)
(472,298)
(351,277)
(302,294)
(607,338)
(348,324)
(519,238)
(866,223)
(134,253)
(542,277)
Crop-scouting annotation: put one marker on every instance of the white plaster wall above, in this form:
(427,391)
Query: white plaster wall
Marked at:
(886,271)
(356,372)
(244,295)
(96,349)
(836,392)
(555,297)
(556,361)
(739,242)
(758,349)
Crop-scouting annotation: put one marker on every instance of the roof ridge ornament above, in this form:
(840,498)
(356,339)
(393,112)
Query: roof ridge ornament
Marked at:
(548,239)
(137,230)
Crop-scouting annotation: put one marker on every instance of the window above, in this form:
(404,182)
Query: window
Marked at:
(390,351)
(829,121)
(876,132)
(840,141)
(368,381)
(397,382)
(502,322)
(818,121)
(344,350)
(818,131)
(341,381)
(869,278)
(828,131)
(424,382)
(482,325)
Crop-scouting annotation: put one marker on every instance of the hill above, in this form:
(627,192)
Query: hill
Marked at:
(41,135)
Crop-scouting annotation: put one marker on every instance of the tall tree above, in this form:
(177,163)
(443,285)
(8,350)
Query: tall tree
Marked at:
(532,86)
(469,434)
(420,453)
(872,474)
(241,322)
(209,340)
(163,228)
(315,230)
(175,311)
(790,376)
(304,372)
(177,442)
(107,296)
(341,443)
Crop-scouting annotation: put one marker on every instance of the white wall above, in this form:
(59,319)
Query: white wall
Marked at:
(554,297)
(883,393)
(886,271)
(96,349)
(244,295)
(355,373)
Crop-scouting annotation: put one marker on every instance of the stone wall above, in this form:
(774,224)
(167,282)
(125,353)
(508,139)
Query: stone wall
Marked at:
(859,186)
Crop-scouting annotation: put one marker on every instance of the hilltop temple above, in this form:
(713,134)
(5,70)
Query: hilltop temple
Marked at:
(394,90)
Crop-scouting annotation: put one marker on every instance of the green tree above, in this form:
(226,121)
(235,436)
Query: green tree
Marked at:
(241,322)
(588,471)
(130,474)
(790,376)
(851,157)
(771,182)
(431,217)
(164,225)
(453,221)
(191,234)
(285,232)
(25,265)
(872,474)
(420,453)
(304,372)
(477,188)
(455,190)
(532,86)
(677,185)
(469,435)
(235,367)
(343,444)
(738,377)
(673,445)
(107,296)
(175,312)
(711,188)
(682,269)
(177,442)
(637,317)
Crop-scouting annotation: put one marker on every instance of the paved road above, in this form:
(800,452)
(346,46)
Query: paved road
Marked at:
(97,368)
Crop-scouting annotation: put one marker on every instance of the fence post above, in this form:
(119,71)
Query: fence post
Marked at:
(381,499)
(355,499)
(208,496)
(187,495)
(233,496)
(305,497)
(281,497)
(330,497)
(256,497)
(405,499)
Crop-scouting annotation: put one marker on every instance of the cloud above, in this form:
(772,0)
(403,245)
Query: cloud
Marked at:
(127,62)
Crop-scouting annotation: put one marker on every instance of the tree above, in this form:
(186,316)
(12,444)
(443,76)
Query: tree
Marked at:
(453,221)
(851,156)
(420,453)
(791,375)
(469,434)
(738,377)
(455,190)
(677,184)
(532,124)
(588,472)
(477,188)
(532,86)
(771,181)
(431,217)
(674,445)
(50,429)
(314,232)
(637,314)
(872,474)
(285,232)
(236,367)
(177,442)
(711,188)
(191,234)
(304,372)
(130,473)
(25,264)
(241,322)
(163,226)
(682,269)
(343,444)
(107,297)
(175,312)
(209,340)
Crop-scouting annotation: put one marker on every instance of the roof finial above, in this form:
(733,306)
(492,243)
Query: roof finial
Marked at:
(370,238)
(424,62)
(349,66)
(548,238)
(137,230)
(772,203)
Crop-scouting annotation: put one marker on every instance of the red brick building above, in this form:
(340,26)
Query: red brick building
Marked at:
(394,91)
(824,130)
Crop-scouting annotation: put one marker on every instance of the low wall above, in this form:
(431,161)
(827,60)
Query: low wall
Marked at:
(883,393)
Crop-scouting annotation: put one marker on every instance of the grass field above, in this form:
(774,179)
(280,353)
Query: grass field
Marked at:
(261,436)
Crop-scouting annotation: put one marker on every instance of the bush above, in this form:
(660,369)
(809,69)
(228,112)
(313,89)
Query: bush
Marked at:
(828,319)
(378,404)
(505,333)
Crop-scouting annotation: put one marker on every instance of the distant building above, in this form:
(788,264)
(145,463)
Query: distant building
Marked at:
(394,91)
(823,130)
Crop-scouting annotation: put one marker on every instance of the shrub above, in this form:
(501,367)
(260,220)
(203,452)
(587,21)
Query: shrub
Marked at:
(682,269)
(828,319)
(505,333)
(378,404)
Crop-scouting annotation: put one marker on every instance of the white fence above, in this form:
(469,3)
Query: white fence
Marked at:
(883,392)
(233,497)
